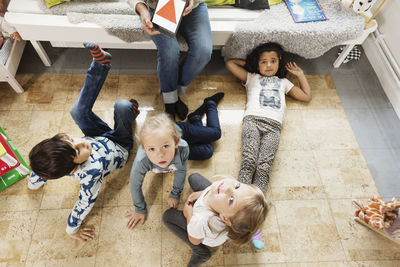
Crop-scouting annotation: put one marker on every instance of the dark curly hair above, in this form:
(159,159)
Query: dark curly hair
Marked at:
(254,56)
(53,158)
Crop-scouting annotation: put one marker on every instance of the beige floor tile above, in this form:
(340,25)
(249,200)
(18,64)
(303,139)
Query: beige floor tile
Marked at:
(50,242)
(16,229)
(83,261)
(294,176)
(345,174)
(359,242)
(247,254)
(293,135)
(308,232)
(318,264)
(62,193)
(124,247)
(20,202)
(329,129)
(375,263)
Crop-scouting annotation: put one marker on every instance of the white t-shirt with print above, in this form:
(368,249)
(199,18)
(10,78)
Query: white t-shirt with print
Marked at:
(266,96)
(206,225)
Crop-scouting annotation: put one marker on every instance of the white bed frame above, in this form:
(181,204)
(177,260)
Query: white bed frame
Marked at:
(35,26)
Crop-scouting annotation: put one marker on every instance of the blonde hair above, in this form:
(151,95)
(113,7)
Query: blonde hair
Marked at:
(159,121)
(249,218)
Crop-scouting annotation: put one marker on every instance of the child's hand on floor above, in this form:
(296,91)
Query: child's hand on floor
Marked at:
(84,234)
(173,203)
(134,218)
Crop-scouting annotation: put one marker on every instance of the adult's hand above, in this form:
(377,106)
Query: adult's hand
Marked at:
(134,218)
(145,17)
(188,8)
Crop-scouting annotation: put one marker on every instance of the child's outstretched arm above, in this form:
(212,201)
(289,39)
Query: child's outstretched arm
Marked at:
(302,93)
(236,66)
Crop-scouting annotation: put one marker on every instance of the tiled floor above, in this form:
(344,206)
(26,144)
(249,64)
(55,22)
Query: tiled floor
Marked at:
(319,168)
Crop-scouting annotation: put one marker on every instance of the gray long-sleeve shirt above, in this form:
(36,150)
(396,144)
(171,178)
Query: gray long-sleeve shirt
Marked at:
(142,165)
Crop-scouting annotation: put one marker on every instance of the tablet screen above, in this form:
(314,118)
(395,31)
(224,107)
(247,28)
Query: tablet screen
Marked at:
(168,14)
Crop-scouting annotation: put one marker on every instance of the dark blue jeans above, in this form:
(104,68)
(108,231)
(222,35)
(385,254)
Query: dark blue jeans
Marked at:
(173,76)
(90,124)
(200,137)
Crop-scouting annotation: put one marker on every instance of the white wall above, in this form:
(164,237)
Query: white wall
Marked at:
(389,25)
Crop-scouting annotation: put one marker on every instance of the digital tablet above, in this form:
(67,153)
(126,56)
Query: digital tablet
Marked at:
(167,16)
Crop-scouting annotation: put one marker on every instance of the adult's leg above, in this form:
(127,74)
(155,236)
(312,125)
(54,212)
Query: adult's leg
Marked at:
(196,29)
(268,148)
(198,182)
(81,112)
(124,114)
(167,66)
(250,148)
(175,221)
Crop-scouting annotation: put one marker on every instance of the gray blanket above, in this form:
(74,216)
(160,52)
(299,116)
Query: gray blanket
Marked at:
(309,40)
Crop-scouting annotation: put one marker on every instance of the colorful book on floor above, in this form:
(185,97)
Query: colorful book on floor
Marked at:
(19,172)
(8,160)
(306,10)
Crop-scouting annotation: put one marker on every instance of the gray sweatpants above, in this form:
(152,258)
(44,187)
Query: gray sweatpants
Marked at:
(175,221)
(260,141)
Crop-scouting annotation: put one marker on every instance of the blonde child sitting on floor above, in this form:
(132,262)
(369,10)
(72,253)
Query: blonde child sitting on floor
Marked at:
(215,212)
(167,146)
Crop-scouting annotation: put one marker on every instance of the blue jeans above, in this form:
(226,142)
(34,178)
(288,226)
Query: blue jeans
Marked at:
(90,124)
(200,137)
(173,76)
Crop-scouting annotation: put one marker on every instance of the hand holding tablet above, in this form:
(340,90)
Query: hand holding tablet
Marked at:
(168,14)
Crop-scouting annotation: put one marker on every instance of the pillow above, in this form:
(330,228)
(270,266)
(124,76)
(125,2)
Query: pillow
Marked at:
(50,3)
(274,2)
(219,2)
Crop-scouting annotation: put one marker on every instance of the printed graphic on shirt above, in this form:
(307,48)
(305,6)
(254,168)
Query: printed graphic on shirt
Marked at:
(270,96)
(171,168)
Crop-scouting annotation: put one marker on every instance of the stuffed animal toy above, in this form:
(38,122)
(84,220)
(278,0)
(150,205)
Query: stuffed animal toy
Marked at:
(362,6)
(377,213)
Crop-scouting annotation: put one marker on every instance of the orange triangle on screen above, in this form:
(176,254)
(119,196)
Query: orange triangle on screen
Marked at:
(168,11)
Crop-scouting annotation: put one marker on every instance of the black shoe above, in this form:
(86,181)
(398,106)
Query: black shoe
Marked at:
(170,110)
(203,108)
(181,109)
(216,97)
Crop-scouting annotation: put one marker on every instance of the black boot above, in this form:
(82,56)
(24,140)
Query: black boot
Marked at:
(181,109)
(170,110)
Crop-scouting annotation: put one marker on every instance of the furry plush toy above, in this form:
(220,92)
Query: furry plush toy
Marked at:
(377,213)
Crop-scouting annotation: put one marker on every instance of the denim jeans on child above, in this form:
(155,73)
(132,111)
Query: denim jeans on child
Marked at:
(173,76)
(200,137)
(90,123)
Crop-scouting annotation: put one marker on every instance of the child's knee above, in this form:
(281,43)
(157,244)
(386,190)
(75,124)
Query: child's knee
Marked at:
(122,105)
(75,112)
(168,214)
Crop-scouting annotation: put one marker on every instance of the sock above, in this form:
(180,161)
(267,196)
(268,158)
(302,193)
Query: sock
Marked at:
(170,109)
(98,54)
(181,109)
(257,241)
(216,97)
(135,106)
(202,109)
